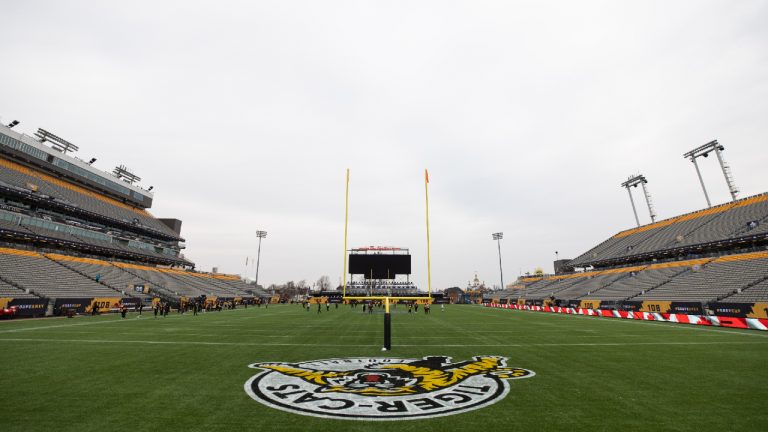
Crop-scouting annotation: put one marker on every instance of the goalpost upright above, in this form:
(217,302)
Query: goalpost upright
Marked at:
(386,299)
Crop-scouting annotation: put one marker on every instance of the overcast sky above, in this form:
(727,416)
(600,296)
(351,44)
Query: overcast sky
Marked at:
(528,115)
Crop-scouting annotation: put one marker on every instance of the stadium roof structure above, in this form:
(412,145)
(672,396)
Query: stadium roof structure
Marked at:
(56,160)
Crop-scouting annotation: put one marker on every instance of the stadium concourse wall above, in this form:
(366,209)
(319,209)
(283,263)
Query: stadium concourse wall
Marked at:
(705,320)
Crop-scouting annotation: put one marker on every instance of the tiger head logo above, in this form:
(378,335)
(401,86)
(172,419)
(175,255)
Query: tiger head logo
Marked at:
(400,378)
(383,388)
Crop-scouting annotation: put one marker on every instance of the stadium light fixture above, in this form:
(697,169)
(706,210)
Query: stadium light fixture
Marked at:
(57,143)
(713,146)
(634,181)
(260,235)
(123,172)
(498,236)
(12,124)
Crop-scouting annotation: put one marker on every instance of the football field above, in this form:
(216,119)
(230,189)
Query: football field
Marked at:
(189,372)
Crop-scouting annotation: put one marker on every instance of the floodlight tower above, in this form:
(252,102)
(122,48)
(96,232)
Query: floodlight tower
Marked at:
(713,146)
(57,143)
(260,235)
(633,181)
(498,236)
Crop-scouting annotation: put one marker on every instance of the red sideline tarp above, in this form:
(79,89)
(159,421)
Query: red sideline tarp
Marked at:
(717,321)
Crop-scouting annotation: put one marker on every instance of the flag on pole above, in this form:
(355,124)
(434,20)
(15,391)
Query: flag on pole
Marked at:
(246,261)
(426,175)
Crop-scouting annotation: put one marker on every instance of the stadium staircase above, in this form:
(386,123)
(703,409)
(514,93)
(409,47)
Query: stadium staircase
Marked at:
(761,228)
(209,287)
(738,291)
(609,284)
(757,292)
(9,288)
(685,270)
(161,291)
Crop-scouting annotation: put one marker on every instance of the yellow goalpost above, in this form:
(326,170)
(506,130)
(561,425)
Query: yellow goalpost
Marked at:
(387,299)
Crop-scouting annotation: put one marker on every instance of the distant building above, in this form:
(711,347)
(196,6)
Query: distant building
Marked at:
(562,267)
(454,294)
(476,290)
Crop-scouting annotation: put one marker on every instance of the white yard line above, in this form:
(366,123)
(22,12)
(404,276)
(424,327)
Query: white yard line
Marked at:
(256,344)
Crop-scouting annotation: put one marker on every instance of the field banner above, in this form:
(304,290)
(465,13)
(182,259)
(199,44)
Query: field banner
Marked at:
(130,303)
(656,306)
(4,302)
(29,307)
(103,303)
(749,310)
(631,305)
(705,320)
(759,310)
(590,304)
(689,308)
(76,305)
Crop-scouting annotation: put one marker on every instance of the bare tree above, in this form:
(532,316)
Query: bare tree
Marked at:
(324,283)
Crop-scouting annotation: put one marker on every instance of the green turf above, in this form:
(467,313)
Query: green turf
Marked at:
(187,373)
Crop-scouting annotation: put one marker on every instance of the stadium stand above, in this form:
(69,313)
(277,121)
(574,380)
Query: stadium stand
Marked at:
(10,291)
(70,231)
(727,224)
(713,280)
(17,175)
(46,278)
(712,257)
(755,293)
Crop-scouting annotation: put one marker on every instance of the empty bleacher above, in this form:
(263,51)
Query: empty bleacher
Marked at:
(742,218)
(635,282)
(755,293)
(702,280)
(713,280)
(10,291)
(55,275)
(45,278)
(20,176)
(105,272)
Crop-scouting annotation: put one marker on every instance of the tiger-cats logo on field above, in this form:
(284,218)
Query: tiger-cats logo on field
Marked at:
(383,388)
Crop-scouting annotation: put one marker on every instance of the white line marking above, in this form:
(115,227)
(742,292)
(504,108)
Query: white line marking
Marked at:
(596,344)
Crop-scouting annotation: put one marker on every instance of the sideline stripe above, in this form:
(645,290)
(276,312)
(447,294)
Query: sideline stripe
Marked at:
(657,324)
(596,344)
